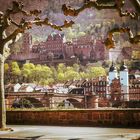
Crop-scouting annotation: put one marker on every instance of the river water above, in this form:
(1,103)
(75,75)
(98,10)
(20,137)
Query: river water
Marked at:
(70,133)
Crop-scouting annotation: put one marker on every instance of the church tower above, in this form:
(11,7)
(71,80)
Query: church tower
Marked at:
(124,80)
(112,73)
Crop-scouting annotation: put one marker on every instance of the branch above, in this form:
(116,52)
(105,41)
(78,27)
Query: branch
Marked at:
(110,42)
(136,4)
(39,22)
(25,25)
(74,12)
(102,4)
(17,7)
(14,23)
(13,35)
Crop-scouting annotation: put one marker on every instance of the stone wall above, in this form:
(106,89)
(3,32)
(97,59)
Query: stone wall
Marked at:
(100,117)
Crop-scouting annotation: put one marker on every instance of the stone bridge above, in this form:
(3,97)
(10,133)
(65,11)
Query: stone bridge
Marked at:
(50,100)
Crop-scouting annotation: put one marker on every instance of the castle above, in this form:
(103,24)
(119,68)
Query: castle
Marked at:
(56,50)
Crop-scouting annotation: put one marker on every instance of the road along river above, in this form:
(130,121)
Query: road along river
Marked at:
(30,132)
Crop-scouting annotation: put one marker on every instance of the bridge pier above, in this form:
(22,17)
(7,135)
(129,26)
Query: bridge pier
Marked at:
(96,102)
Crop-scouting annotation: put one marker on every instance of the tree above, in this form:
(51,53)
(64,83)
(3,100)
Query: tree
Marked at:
(8,38)
(83,75)
(61,68)
(96,72)
(110,4)
(27,71)
(6,67)
(42,74)
(15,70)
(46,73)
(76,67)
(71,74)
(61,77)
(6,72)
(54,71)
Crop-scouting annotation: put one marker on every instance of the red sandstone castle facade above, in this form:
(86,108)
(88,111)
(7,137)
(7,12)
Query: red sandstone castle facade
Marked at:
(55,48)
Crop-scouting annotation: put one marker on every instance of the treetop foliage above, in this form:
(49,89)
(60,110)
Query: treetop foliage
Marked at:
(44,75)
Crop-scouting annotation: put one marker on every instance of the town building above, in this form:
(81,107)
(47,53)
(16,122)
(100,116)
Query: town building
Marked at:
(116,87)
(123,87)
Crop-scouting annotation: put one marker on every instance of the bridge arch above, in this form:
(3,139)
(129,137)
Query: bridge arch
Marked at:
(35,102)
(74,102)
(70,102)
(27,102)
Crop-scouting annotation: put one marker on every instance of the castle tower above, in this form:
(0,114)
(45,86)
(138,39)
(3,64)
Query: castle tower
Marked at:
(124,80)
(112,73)
(27,43)
(92,54)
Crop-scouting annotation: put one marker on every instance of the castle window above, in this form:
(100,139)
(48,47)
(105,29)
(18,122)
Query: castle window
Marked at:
(101,89)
